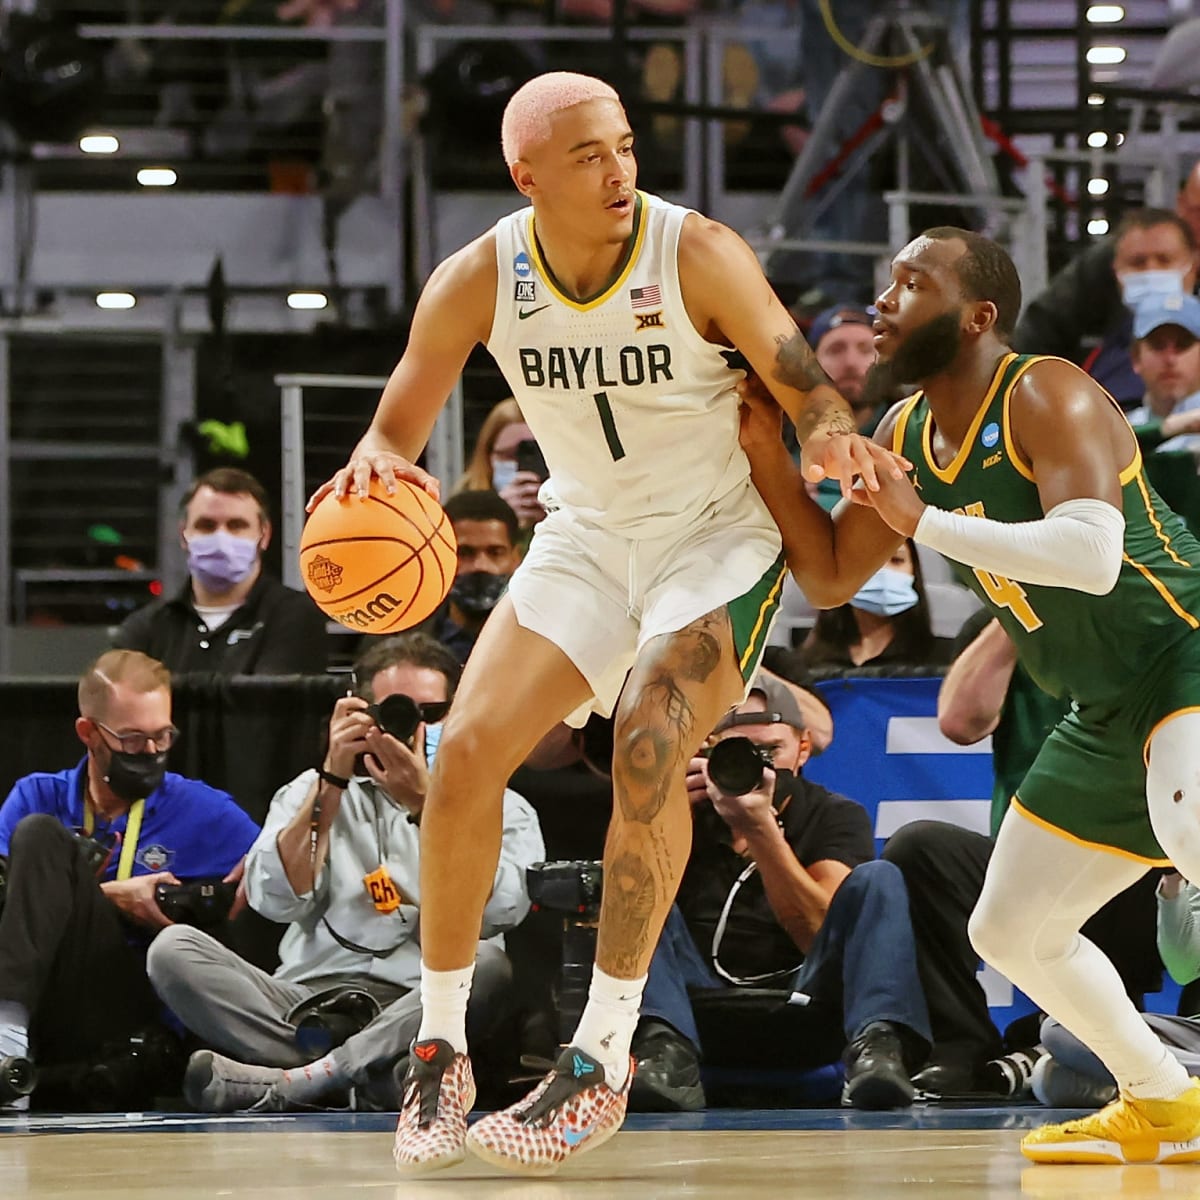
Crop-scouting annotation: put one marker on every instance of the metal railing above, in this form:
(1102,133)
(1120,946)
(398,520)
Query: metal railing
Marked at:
(443,455)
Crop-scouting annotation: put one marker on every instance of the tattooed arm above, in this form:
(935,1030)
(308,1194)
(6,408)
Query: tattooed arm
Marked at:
(731,303)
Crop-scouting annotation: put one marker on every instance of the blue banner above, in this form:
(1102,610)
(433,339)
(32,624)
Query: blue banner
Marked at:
(889,755)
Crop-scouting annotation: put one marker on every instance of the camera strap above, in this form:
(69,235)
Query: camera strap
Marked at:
(129,843)
(347,944)
(719,934)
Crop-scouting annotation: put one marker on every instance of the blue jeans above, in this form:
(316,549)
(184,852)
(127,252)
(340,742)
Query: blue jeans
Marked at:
(862,967)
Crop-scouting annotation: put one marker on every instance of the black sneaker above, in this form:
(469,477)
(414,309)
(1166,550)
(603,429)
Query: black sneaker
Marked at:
(668,1071)
(876,1077)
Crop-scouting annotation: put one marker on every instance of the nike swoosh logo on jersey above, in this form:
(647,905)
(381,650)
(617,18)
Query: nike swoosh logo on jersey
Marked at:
(574,1136)
(522,313)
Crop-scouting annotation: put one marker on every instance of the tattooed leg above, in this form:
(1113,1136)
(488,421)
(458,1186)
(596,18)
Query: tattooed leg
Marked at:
(679,688)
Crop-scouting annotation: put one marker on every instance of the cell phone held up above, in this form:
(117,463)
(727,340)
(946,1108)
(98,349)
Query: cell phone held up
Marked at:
(530,458)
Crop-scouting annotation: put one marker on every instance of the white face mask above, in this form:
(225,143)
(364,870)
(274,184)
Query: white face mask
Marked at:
(1137,286)
(504,471)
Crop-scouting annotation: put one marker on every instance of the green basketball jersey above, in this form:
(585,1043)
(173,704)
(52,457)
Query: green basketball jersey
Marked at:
(1072,643)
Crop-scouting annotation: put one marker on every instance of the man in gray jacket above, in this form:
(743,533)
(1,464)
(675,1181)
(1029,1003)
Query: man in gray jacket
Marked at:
(338,858)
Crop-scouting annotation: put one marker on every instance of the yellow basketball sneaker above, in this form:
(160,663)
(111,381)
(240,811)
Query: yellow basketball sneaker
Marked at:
(1128,1130)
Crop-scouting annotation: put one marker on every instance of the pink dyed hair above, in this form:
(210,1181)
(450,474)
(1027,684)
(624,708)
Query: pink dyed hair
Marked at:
(526,119)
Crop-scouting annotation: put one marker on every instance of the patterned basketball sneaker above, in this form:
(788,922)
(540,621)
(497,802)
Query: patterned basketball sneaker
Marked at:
(1128,1130)
(439,1091)
(571,1111)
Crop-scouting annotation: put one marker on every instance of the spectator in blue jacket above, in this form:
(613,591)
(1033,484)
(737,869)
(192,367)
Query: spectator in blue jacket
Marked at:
(86,849)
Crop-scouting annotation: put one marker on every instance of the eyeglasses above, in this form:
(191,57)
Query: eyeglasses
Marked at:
(134,742)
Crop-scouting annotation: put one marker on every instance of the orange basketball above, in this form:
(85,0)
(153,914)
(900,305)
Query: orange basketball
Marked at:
(382,564)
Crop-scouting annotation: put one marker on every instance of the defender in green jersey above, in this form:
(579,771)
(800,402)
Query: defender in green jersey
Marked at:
(1027,475)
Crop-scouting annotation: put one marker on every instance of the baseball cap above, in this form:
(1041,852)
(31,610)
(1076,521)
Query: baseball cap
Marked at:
(1174,308)
(839,314)
(781,707)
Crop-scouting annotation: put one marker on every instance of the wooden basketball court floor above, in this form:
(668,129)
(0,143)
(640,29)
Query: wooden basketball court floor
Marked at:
(930,1153)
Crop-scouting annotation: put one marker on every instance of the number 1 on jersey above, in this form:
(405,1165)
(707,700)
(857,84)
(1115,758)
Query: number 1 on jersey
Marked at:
(609,426)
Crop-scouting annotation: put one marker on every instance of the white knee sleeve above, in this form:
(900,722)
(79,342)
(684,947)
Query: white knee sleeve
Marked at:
(1173,792)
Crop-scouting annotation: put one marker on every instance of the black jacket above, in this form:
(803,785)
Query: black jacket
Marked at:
(1079,308)
(277,631)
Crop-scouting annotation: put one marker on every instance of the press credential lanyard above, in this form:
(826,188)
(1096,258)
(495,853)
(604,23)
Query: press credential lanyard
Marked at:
(129,843)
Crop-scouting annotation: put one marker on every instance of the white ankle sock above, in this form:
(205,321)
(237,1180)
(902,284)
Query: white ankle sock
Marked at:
(608,1021)
(14,1029)
(1168,1081)
(444,996)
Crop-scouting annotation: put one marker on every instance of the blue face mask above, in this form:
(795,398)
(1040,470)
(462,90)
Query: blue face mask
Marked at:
(504,471)
(887,593)
(1142,285)
(433,739)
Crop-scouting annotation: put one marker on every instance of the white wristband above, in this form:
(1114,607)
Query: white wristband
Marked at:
(1078,544)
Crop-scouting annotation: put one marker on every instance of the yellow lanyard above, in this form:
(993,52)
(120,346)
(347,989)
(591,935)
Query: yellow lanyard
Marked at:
(129,843)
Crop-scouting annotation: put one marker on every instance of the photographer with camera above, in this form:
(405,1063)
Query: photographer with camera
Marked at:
(90,852)
(779,893)
(488,538)
(338,858)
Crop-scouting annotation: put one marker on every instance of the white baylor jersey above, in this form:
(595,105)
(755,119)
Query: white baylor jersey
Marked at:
(634,411)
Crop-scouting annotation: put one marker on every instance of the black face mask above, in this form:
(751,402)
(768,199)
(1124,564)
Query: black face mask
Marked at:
(134,776)
(478,592)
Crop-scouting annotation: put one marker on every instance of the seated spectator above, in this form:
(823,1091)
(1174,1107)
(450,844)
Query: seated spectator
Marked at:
(887,622)
(780,891)
(1071,1075)
(1084,314)
(986,691)
(843,340)
(338,859)
(507,460)
(86,850)
(1166,355)
(487,533)
(231,616)
(844,343)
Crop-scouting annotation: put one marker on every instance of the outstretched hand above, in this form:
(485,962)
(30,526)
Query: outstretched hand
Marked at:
(832,454)
(355,477)
(826,454)
(896,501)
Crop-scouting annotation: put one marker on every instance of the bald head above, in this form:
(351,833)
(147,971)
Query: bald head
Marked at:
(526,121)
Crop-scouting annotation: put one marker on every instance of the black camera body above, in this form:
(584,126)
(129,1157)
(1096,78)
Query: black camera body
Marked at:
(204,903)
(573,886)
(96,850)
(398,715)
(735,765)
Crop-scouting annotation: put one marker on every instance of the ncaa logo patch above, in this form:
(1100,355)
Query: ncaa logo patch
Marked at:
(156,857)
(990,435)
(522,267)
(525,291)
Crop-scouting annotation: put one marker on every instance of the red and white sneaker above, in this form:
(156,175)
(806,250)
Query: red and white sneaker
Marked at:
(439,1091)
(571,1111)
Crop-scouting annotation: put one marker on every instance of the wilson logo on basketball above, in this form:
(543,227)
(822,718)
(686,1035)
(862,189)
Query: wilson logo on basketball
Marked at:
(368,614)
(324,573)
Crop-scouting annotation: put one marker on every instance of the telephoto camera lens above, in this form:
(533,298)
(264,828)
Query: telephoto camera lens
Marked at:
(735,765)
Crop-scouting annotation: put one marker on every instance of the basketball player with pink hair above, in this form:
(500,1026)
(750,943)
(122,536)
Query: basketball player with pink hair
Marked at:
(617,320)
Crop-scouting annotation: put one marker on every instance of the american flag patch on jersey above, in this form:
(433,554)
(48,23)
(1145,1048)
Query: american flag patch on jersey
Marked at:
(645,297)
